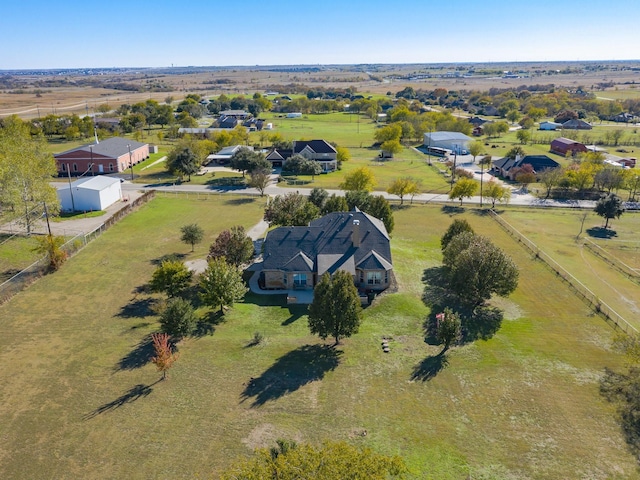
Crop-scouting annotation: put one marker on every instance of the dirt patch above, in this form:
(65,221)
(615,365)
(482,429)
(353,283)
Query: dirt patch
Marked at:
(265,436)
(197,266)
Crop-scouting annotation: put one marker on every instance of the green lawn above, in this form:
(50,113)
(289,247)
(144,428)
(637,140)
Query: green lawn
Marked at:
(80,400)
(16,253)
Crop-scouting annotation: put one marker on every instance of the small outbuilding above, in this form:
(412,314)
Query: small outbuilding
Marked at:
(90,194)
(455,141)
(550,126)
(563,146)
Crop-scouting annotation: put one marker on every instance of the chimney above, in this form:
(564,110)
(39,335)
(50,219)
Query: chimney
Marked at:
(355,233)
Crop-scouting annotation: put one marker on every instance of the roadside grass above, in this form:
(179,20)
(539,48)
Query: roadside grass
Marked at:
(74,215)
(16,253)
(80,398)
(555,231)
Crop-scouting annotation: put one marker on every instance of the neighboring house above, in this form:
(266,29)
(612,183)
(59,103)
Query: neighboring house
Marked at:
(508,167)
(224,155)
(576,124)
(477,121)
(455,141)
(90,194)
(237,114)
(563,146)
(319,150)
(296,257)
(227,122)
(113,155)
(489,110)
(111,124)
(550,125)
(624,117)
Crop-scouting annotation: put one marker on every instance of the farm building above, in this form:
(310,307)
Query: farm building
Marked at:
(550,125)
(455,141)
(113,155)
(563,146)
(576,124)
(90,194)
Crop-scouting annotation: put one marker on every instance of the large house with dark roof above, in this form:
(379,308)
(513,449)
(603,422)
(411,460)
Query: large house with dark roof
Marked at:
(508,167)
(113,155)
(294,258)
(319,150)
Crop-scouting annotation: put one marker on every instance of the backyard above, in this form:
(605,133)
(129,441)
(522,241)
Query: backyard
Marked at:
(81,399)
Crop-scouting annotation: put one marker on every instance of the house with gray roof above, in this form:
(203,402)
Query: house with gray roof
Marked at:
(508,167)
(112,155)
(294,258)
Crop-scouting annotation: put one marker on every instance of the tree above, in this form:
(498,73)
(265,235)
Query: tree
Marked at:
(221,284)
(245,159)
(260,179)
(475,148)
(523,136)
(484,162)
(318,197)
(389,132)
(26,168)
(233,245)
(513,116)
(183,162)
(50,245)
(515,152)
(457,227)
(379,207)
(331,461)
(290,209)
(342,155)
(448,328)
(496,192)
(360,179)
(403,186)
(525,176)
(550,178)
(171,277)
(476,269)
(609,206)
(335,203)
(464,188)
(178,318)
(191,234)
(391,148)
(336,309)
(164,356)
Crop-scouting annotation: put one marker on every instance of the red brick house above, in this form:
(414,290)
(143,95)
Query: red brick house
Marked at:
(113,155)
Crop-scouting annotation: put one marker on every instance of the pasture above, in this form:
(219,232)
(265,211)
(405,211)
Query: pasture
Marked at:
(81,400)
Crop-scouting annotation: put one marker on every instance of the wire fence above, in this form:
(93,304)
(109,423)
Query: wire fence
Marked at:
(591,299)
(27,276)
(632,273)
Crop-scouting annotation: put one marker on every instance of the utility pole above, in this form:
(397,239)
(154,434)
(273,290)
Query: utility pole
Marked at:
(130,161)
(73,205)
(46,214)
(91,164)
(453,169)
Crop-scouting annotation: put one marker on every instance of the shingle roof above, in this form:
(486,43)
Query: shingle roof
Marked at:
(318,146)
(328,244)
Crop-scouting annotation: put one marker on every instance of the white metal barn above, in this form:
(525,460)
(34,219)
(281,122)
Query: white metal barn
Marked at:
(455,141)
(90,194)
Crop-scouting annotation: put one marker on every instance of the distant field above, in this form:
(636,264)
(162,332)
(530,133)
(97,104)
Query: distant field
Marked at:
(81,400)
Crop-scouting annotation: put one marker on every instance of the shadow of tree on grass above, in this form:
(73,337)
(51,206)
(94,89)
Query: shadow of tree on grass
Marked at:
(135,393)
(601,232)
(139,356)
(290,372)
(623,389)
(296,312)
(430,367)
(139,308)
(207,324)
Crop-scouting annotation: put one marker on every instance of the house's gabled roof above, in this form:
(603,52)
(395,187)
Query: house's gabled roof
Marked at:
(537,162)
(565,141)
(373,261)
(328,243)
(279,154)
(316,146)
(576,123)
(113,147)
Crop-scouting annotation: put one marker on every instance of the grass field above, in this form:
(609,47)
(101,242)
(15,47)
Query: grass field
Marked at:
(80,399)
(16,253)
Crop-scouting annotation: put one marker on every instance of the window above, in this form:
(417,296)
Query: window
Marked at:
(374,278)
(386,277)
(111,167)
(75,167)
(299,279)
(64,167)
(286,278)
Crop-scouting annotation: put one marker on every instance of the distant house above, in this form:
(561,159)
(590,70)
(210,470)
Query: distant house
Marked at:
(624,117)
(576,124)
(237,114)
(90,194)
(550,125)
(319,150)
(294,115)
(113,155)
(489,110)
(508,167)
(296,257)
(563,146)
(455,141)
(477,121)
(227,122)
(224,155)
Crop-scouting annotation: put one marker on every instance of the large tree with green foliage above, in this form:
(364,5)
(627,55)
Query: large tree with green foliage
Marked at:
(457,227)
(360,179)
(477,269)
(609,206)
(234,245)
(26,168)
(290,209)
(183,161)
(336,309)
(331,461)
(178,318)
(403,186)
(464,188)
(221,284)
(171,277)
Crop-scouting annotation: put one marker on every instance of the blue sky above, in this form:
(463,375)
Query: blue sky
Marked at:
(141,33)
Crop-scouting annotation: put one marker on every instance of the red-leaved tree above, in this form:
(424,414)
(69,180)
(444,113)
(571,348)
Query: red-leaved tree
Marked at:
(164,353)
